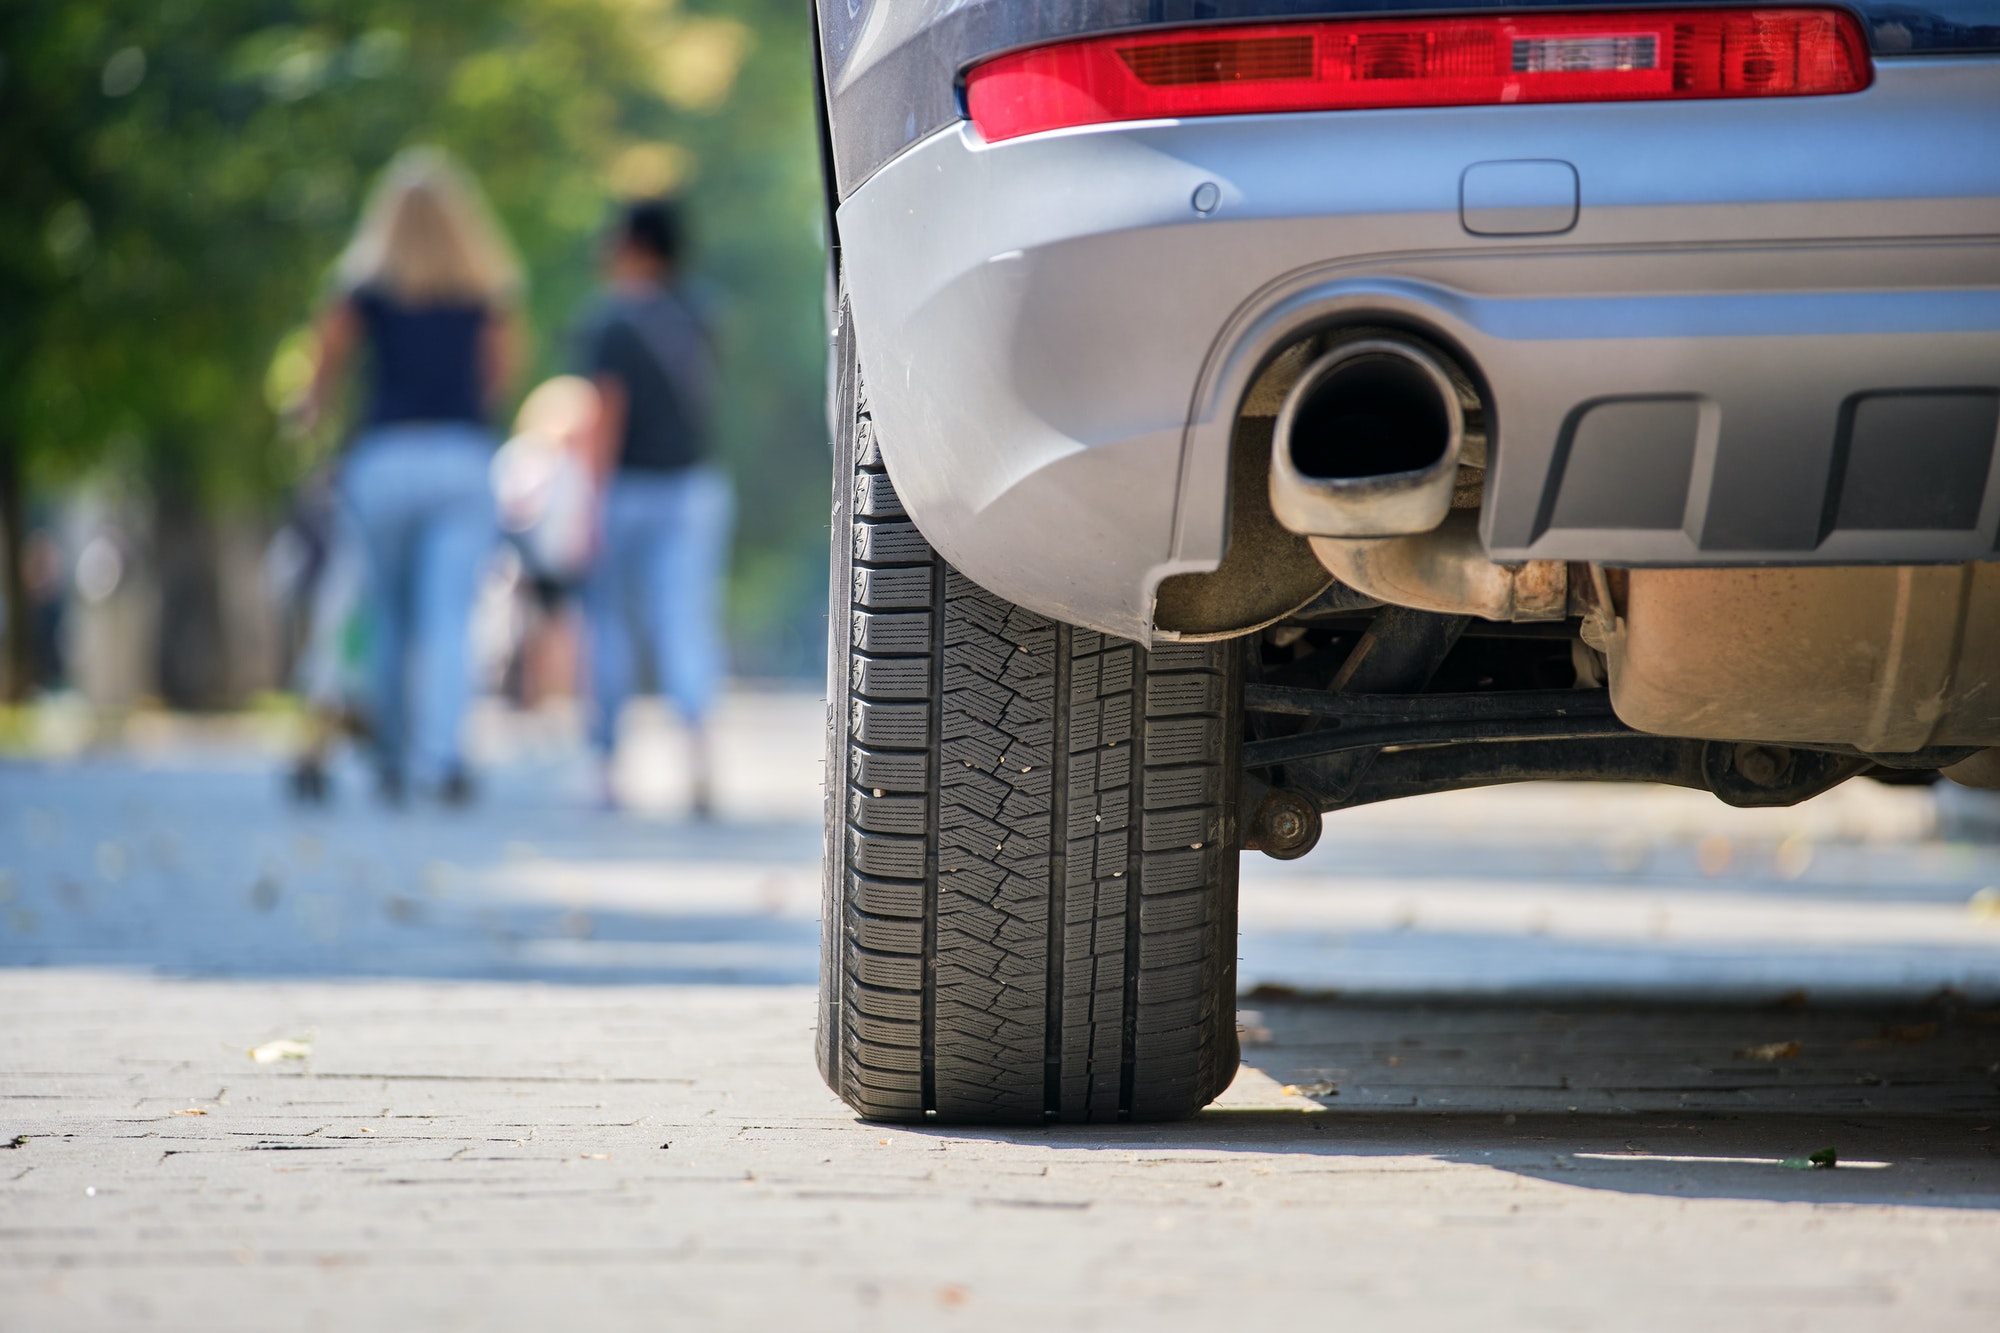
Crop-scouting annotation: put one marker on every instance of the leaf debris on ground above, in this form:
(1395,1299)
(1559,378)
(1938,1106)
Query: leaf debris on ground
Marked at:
(284,1048)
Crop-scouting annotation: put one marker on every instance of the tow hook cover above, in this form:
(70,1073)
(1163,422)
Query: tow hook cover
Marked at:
(1531,198)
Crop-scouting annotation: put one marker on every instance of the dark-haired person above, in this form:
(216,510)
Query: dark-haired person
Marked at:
(656,581)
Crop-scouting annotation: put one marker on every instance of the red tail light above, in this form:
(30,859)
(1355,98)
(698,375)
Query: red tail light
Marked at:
(1349,64)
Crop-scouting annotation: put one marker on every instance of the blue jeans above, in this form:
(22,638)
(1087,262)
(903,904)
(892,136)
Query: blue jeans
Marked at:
(420,498)
(657,583)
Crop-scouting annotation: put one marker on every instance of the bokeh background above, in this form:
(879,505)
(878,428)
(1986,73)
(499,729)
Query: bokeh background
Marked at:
(179,174)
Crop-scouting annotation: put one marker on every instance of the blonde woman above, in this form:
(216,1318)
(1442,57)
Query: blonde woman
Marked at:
(425,299)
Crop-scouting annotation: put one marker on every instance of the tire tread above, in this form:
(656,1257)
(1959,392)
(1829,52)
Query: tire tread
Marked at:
(1030,867)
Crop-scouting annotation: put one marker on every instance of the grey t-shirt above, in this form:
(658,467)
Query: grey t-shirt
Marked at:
(657,345)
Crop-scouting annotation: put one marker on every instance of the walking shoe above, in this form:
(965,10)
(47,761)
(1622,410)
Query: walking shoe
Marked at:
(457,790)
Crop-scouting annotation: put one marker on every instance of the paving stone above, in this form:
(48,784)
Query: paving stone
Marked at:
(1516,1063)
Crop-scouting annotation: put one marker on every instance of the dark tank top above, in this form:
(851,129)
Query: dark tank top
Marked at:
(424,360)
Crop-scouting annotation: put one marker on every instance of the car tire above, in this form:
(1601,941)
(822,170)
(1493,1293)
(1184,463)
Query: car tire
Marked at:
(1031,844)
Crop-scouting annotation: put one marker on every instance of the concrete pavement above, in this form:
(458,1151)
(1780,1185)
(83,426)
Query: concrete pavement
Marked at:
(535,1064)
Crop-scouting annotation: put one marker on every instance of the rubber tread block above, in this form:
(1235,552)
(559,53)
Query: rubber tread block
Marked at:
(890,677)
(882,897)
(1170,1017)
(887,1031)
(891,544)
(879,854)
(888,814)
(885,970)
(1171,872)
(1168,696)
(1182,740)
(900,1059)
(1169,985)
(892,726)
(892,631)
(875,496)
(867,446)
(906,1005)
(1168,787)
(1187,656)
(891,1080)
(877,1104)
(1168,949)
(890,770)
(888,934)
(1180,911)
(1193,827)
(891,589)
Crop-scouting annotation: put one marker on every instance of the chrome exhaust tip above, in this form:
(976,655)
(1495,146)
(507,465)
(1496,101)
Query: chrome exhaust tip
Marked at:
(1368,442)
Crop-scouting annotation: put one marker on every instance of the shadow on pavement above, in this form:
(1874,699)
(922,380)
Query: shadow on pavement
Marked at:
(1693,1101)
(212,873)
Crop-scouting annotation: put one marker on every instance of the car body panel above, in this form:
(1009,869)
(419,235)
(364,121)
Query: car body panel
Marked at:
(1056,341)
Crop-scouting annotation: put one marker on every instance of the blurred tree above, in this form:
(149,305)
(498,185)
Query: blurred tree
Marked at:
(181,172)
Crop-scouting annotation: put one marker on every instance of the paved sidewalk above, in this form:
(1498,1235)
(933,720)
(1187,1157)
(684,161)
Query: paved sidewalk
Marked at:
(536,1065)
(498,1156)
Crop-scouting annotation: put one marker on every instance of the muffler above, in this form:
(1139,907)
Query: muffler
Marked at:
(1368,442)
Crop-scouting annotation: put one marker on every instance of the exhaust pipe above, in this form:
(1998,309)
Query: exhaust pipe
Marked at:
(1368,442)
(1365,463)
(1446,570)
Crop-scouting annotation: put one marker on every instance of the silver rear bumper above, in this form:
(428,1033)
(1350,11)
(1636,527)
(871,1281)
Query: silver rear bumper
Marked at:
(1772,334)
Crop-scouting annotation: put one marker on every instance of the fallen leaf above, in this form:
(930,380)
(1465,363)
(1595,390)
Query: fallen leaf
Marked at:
(192,1110)
(1268,992)
(1910,1033)
(1985,904)
(1323,1088)
(596,1156)
(1775,1050)
(284,1048)
(953,1294)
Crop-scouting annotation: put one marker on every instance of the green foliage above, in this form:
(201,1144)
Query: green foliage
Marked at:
(182,172)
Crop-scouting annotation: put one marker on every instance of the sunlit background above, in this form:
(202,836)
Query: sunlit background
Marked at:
(179,175)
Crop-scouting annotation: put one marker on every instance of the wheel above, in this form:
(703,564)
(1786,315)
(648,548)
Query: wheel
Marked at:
(1031,846)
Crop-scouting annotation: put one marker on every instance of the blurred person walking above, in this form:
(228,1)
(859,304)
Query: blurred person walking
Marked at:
(428,292)
(667,511)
